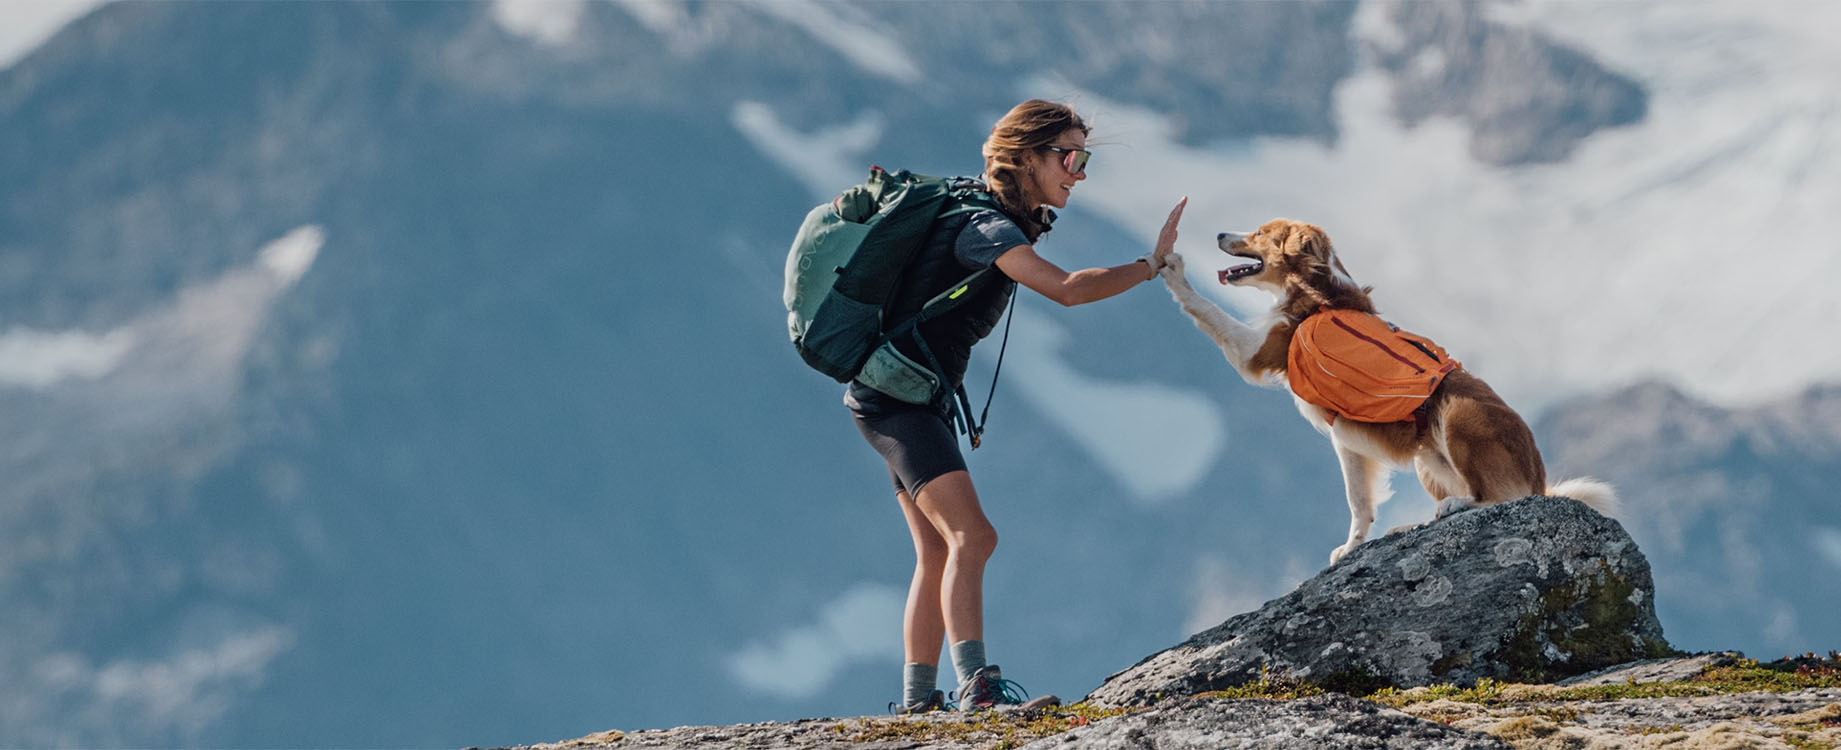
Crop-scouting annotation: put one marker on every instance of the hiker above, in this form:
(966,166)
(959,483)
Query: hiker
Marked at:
(1034,157)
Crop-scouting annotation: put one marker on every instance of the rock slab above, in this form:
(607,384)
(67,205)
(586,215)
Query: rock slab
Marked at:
(1534,591)
(1654,670)
(1323,721)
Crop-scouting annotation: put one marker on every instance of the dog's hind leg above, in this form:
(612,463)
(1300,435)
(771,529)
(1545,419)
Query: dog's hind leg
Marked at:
(1364,481)
(1494,452)
(1442,482)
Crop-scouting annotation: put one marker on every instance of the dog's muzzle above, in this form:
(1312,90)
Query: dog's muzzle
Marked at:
(1228,241)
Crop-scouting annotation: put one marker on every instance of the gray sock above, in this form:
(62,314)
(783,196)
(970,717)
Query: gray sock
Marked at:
(918,682)
(967,657)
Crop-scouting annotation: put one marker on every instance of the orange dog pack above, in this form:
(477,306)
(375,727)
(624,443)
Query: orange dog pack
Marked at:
(1360,367)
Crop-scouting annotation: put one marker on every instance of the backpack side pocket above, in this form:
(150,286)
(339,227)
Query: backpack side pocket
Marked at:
(893,374)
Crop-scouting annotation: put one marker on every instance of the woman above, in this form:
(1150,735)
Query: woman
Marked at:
(1033,159)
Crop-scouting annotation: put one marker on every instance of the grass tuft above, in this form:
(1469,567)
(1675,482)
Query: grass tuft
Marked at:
(1267,687)
(1005,729)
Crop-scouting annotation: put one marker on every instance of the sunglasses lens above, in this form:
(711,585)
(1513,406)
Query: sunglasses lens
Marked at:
(1076,161)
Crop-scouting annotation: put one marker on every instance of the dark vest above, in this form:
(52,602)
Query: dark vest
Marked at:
(951,336)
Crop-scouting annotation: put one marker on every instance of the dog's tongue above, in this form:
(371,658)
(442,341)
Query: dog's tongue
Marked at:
(1225,274)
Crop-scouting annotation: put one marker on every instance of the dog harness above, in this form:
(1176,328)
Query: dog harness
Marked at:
(1357,366)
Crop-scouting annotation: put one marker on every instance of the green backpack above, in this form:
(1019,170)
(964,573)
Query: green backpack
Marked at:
(842,272)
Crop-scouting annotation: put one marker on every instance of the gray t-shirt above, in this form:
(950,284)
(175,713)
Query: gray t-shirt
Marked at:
(986,237)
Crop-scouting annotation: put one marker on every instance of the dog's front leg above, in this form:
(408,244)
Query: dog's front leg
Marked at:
(1237,340)
(1360,478)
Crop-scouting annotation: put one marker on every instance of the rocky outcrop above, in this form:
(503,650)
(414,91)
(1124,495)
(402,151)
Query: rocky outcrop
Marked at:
(1539,717)
(1531,591)
(1324,721)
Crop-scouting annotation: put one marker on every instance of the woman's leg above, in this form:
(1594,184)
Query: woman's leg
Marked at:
(922,625)
(950,504)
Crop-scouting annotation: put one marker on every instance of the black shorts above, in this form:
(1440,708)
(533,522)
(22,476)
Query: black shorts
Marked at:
(918,444)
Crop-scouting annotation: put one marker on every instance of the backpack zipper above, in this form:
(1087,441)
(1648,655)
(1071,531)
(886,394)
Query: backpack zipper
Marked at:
(1383,347)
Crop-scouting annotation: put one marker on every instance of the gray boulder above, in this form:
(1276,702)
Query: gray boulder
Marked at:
(1305,724)
(1534,590)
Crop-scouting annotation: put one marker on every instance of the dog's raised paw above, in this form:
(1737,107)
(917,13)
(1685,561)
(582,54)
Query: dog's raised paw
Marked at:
(1174,263)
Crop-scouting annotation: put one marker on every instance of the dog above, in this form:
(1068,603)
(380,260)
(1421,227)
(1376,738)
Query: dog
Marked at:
(1469,449)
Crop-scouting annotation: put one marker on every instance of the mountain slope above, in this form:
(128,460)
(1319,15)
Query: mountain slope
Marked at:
(378,376)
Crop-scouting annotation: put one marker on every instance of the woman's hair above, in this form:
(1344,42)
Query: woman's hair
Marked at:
(1028,127)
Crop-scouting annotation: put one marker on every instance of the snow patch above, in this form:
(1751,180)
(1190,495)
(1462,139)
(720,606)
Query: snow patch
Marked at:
(199,338)
(864,624)
(849,32)
(188,691)
(35,359)
(827,161)
(1157,441)
(26,25)
(550,23)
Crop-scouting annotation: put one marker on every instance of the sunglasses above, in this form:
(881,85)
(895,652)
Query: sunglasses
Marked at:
(1074,159)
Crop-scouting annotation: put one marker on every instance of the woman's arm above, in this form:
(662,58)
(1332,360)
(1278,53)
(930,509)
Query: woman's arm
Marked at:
(1080,287)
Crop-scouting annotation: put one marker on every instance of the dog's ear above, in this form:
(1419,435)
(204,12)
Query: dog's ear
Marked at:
(1312,243)
(1309,252)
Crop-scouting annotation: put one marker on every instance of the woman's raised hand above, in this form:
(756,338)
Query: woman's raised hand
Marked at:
(1166,239)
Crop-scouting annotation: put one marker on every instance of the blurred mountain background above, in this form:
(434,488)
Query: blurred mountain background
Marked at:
(414,374)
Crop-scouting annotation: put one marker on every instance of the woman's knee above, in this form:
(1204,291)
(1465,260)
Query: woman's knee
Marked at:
(951,505)
(930,552)
(975,541)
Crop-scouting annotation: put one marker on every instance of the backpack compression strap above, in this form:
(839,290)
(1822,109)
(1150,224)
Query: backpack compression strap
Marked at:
(965,197)
(945,301)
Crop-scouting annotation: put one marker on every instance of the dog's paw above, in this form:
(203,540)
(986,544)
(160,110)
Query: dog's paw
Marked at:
(1172,266)
(1337,554)
(1452,505)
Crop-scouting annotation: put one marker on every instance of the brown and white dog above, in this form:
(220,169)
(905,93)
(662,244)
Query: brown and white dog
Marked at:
(1473,450)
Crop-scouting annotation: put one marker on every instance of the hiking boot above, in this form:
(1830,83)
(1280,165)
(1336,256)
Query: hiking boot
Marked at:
(987,688)
(934,702)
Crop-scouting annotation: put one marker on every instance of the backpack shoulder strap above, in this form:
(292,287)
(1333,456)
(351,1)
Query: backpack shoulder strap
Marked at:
(966,195)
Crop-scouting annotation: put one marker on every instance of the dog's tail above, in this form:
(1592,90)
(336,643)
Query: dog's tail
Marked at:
(1599,496)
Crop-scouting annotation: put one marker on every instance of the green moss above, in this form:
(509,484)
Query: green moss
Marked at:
(1804,742)
(1589,623)
(1267,687)
(1002,728)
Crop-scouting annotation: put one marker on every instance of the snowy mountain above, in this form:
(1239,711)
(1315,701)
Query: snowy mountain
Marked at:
(414,374)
